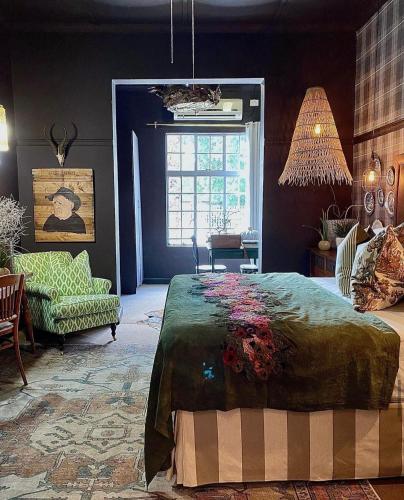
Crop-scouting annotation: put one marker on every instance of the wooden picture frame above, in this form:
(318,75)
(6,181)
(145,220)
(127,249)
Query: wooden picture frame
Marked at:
(63,204)
(399,174)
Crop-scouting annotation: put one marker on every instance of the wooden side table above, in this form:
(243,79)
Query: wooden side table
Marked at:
(322,262)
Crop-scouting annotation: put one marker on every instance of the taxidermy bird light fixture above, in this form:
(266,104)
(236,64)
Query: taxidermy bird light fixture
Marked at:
(191,97)
(315,155)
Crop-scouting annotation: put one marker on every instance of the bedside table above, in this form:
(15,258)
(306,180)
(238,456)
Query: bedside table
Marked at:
(322,262)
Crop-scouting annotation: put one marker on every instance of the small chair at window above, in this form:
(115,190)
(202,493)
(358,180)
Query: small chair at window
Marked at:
(248,269)
(205,268)
(11,288)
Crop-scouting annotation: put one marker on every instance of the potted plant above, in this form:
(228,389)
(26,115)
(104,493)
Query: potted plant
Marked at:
(342,228)
(324,243)
(12,226)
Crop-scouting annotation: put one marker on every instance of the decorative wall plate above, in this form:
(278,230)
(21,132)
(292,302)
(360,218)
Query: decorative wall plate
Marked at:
(369,202)
(380,197)
(389,203)
(391,176)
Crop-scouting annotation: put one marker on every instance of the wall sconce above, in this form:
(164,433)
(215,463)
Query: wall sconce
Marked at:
(3,130)
(372,175)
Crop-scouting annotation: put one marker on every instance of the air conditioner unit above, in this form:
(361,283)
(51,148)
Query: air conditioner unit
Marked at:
(227,110)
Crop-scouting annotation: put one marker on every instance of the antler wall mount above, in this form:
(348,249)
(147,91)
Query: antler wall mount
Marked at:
(61,149)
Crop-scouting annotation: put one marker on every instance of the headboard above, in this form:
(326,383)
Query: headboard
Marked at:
(399,171)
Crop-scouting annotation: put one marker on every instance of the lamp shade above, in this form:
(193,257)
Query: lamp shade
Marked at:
(3,130)
(315,155)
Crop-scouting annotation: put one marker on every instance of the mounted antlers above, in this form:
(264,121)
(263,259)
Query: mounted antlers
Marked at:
(62,148)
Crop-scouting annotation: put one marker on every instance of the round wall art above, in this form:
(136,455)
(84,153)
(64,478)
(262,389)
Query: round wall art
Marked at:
(389,203)
(369,202)
(380,197)
(391,176)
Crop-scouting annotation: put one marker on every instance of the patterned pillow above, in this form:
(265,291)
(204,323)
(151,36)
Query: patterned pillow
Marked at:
(345,257)
(378,273)
(74,278)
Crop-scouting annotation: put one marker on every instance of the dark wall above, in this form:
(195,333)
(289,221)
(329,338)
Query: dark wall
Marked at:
(8,160)
(68,77)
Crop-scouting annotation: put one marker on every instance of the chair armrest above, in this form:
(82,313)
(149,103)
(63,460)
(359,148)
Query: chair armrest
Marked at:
(41,290)
(101,285)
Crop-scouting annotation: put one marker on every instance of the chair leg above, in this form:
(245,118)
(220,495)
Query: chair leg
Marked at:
(113,330)
(18,355)
(61,342)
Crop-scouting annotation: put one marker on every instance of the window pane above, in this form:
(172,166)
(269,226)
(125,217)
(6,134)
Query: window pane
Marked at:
(202,220)
(202,236)
(174,233)
(216,144)
(187,202)
(203,143)
(242,200)
(217,221)
(203,162)
(202,184)
(232,162)
(203,201)
(188,220)
(187,234)
(216,202)
(187,144)
(232,143)
(174,202)
(232,202)
(174,184)
(242,184)
(188,161)
(174,220)
(218,184)
(173,242)
(187,184)
(232,184)
(173,143)
(216,162)
(173,161)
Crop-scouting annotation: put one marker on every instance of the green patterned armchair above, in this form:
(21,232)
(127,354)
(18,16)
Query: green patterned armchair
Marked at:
(63,296)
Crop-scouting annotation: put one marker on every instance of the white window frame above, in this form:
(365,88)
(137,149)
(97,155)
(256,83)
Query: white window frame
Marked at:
(199,173)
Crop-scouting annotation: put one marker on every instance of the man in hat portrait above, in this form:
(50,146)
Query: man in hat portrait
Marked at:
(65,217)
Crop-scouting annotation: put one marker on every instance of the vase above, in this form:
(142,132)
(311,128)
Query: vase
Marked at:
(324,245)
(4,271)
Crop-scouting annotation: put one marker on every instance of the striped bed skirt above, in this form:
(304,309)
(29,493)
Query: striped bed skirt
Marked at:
(245,445)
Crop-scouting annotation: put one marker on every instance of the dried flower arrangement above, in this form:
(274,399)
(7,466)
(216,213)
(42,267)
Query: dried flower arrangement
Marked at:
(12,227)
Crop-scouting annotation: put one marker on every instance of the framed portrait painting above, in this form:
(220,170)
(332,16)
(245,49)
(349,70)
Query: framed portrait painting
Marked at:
(63,204)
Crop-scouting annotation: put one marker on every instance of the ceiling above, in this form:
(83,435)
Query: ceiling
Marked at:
(211,15)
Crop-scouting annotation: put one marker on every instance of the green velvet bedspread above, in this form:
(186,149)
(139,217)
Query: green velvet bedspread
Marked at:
(341,359)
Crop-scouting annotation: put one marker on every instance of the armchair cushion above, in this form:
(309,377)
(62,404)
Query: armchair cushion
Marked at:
(101,285)
(41,290)
(72,307)
(73,278)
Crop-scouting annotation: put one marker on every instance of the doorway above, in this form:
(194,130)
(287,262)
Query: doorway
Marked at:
(164,239)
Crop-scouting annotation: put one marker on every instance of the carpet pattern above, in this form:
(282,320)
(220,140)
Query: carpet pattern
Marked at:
(76,432)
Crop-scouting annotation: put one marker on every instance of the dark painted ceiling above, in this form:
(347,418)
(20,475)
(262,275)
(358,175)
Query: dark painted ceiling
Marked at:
(211,15)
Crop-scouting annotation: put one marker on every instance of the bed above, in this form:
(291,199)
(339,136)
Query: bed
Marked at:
(358,434)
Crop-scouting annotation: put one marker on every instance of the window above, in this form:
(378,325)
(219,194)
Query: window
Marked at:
(207,185)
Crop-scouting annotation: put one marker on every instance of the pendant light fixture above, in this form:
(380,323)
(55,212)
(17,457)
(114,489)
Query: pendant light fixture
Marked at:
(371,179)
(191,98)
(3,130)
(316,154)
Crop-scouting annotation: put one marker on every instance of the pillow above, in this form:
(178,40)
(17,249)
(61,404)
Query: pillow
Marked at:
(74,278)
(378,273)
(345,257)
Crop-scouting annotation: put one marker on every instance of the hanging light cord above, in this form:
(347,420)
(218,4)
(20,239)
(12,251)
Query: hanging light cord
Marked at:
(193,41)
(172,33)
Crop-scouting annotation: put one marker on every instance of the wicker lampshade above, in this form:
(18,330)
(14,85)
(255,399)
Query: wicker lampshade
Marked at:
(315,155)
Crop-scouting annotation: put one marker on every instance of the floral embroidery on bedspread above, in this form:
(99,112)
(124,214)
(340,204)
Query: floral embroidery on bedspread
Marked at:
(252,346)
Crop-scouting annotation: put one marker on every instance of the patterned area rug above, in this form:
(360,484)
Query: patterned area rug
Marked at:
(154,319)
(76,432)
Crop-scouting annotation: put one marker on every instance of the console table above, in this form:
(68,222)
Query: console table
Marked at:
(322,262)
(232,253)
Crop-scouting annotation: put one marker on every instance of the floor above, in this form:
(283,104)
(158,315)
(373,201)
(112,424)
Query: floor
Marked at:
(151,299)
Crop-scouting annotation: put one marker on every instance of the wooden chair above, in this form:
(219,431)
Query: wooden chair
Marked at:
(11,288)
(205,268)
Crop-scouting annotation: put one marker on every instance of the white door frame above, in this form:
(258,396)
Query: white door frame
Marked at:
(183,81)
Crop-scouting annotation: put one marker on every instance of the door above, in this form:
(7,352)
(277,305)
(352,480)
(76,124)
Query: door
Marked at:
(138,210)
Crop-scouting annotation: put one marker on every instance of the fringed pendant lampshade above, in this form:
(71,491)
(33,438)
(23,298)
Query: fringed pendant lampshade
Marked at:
(315,155)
